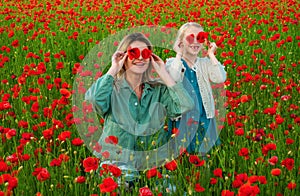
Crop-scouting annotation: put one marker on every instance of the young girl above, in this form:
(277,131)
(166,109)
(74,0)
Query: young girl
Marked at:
(196,74)
(135,106)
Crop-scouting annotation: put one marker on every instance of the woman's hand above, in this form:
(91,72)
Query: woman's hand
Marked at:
(160,67)
(157,63)
(118,60)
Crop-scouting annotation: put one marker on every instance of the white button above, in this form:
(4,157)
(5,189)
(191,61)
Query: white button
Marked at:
(192,80)
(135,103)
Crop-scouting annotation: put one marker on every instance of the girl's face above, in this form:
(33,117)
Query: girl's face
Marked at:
(190,43)
(137,64)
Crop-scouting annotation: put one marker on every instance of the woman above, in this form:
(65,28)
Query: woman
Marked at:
(196,74)
(135,106)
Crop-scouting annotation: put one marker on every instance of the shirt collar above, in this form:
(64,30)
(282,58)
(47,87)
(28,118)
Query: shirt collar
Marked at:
(125,85)
(194,68)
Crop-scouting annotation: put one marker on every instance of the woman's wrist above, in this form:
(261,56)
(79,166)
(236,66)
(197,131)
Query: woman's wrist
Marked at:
(112,72)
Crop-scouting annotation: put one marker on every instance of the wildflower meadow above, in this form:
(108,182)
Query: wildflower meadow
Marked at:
(43,44)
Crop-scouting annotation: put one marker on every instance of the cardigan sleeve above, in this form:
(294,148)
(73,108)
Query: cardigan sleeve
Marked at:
(216,72)
(175,68)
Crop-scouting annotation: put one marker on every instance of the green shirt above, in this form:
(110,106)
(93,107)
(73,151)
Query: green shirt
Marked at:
(138,124)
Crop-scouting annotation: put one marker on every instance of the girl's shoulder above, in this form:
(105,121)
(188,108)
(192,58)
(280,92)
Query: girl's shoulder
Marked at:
(203,59)
(170,60)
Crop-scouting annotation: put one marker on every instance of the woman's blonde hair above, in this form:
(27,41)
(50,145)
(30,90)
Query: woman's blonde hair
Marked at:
(123,46)
(183,29)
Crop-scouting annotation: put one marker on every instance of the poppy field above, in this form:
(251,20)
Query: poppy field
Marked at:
(42,46)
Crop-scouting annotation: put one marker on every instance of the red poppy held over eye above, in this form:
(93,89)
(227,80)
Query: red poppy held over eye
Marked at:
(201,37)
(134,53)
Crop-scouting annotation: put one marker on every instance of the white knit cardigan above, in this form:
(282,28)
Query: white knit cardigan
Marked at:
(206,72)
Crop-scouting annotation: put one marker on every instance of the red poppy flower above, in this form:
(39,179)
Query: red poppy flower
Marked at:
(3,166)
(262,179)
(175,131)
(134,53)
(276,172)
(218,172)
(231,118)
(10,133)
(145,191)
(90,163)
(153,172)
(15,43)
(55,162)
(239,132)
(268,147)
(244,152)
(172,165)
(105,154)
(113,169)
(48,133)
(65,92)
(213,181)
(64,135)
(279,119)
(199,188)
(288,163)
(5,105)
(97,147)
(190,38)
(108,185)
(80,179)
(41,174)
(247,189)
(111,140)
(289,141)
(35,107)
(227,193)
(291,185)
(201,37)
(64,157)
(273,160)
(12,183)
(59,65)
(195,160)
(77,142)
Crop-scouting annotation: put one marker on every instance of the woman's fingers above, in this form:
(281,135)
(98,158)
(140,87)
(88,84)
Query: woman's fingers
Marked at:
(155,57)
(123,58)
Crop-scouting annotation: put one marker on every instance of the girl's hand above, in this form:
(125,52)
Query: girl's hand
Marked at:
(212,48)
(178,48)
(118,60)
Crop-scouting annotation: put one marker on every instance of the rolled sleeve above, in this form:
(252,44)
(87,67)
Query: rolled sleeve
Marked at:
(217,73)
(175,68)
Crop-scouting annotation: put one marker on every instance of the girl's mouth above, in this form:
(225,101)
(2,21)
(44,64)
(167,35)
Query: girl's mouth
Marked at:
(195,47)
